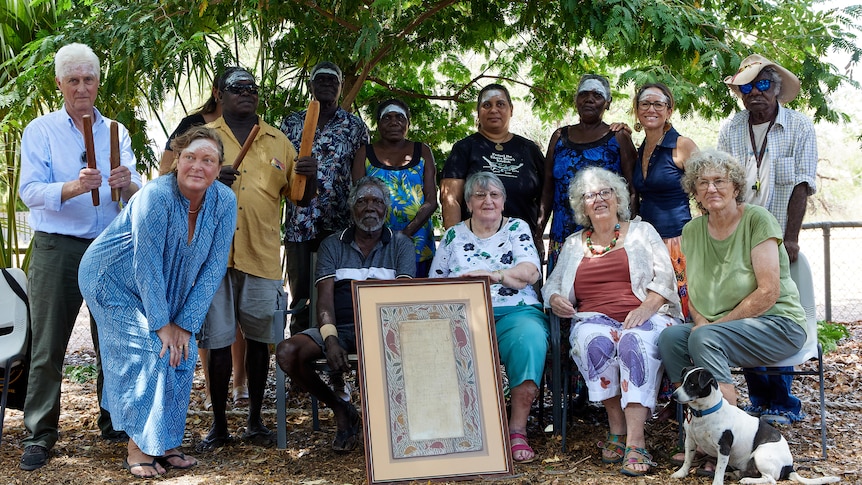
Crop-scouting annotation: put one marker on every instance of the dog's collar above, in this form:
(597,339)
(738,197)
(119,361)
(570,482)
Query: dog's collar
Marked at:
(706,412)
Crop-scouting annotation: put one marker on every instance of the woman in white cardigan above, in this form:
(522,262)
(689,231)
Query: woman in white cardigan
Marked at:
(615,280)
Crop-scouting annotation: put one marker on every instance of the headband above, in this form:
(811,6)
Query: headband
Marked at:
(649,91)
(326,70)
(392,108)
(238,76)
(492,93)
(594,85)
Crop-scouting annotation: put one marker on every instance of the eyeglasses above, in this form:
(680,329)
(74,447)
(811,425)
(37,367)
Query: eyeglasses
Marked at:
(241,88)
(656,105)
(366,201)
(482,195)
(719,184)
(603,194)
(763,86)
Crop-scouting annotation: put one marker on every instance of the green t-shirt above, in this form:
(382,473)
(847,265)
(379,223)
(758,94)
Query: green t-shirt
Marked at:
(720,274)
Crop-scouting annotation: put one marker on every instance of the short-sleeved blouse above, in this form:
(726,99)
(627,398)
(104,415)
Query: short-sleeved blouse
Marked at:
(461,252)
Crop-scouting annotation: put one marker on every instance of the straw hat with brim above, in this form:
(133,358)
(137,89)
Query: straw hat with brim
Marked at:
(751,66)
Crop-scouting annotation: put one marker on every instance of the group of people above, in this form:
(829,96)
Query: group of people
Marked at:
(189,264)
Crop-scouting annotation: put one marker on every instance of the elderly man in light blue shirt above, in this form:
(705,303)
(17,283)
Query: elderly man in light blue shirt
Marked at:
(778,148)
(56,185)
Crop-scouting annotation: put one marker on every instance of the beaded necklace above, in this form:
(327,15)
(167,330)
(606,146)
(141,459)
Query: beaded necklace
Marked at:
(606,248)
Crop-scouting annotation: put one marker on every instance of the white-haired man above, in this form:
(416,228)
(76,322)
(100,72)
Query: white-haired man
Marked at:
(56,185)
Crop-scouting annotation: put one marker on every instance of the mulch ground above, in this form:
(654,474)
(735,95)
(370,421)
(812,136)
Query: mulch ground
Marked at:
(81,457)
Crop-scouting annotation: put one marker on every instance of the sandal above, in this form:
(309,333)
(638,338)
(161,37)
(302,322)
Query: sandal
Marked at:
(615,444)
(347,439)
(679,458)
(522,446)
(644,459)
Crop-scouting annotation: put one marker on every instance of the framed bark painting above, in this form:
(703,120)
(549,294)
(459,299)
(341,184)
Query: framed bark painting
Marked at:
(429,376)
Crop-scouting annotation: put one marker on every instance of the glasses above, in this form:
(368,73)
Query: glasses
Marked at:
(656,105)
(242,88)
(719,184)
(482,195)
(366,201)
(763,86)
(603,194)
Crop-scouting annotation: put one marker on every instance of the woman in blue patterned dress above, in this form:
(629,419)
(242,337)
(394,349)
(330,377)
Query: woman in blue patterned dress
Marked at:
(148,280)
(490,244)
(407,167)
(589,143)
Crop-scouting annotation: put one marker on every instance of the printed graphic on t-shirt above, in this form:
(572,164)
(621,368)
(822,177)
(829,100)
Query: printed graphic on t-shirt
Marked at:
(502,164)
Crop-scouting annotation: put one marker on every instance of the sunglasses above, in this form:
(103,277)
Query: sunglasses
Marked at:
(241,88)
(763,86)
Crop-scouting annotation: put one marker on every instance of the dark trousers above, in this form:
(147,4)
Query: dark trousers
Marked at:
(55,301)
(300,278)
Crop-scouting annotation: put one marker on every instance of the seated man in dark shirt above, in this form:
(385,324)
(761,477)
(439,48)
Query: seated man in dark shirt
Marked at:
(366,250)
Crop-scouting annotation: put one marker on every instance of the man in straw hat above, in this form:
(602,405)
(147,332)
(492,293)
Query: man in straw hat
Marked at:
(778,148)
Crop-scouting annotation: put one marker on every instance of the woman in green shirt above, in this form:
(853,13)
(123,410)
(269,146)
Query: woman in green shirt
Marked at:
(744,305)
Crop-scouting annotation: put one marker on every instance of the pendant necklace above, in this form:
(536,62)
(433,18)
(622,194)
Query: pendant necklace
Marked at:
(758,154)
(598,252)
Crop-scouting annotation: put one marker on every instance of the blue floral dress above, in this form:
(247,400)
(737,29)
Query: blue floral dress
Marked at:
(569,158)
(406,186)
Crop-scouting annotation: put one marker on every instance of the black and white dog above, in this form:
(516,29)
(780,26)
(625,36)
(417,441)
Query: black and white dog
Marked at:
(732,436)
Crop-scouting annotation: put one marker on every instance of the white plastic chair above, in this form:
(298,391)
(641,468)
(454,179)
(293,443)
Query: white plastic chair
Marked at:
(13,333)
(800,271)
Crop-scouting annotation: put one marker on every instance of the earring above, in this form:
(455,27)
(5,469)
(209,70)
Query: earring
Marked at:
(638,126)
(667,124)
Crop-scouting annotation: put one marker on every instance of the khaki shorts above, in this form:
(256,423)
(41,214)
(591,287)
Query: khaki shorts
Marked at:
(241,299)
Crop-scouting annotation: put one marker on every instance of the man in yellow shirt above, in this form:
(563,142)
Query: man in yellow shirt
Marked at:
(252,288)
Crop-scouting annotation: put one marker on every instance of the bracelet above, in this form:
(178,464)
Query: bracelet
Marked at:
(500,272)
(328,330)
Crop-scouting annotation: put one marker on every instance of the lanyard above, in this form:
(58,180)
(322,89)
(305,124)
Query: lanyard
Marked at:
(758,154)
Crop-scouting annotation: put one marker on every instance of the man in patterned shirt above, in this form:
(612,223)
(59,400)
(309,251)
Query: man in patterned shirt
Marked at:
(339,134)
(778,148)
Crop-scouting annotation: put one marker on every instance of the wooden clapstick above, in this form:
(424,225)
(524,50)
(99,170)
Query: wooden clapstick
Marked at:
(246,146)
(115,156)
(90,147)
(297,186)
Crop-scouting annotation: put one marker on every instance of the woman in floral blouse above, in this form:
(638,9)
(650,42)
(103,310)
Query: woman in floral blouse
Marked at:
(489,244)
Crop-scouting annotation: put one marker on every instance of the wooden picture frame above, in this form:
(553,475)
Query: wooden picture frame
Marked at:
(429,377)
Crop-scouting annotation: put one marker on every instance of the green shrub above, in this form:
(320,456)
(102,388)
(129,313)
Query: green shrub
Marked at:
(829,333)
(80,373)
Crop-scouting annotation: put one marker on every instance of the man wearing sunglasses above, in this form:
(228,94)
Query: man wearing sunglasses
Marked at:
(778,148)
(252,289)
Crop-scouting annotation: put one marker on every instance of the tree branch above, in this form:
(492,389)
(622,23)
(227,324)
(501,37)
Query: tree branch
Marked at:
(325,13)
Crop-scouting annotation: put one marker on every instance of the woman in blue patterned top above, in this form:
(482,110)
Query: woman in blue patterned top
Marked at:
(148,280)
(407,167)
(589,143)
(490,244)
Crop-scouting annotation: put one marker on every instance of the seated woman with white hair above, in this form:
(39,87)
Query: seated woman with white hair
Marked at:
(614,279)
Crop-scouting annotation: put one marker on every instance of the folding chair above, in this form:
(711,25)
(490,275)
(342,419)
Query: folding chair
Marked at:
(800,271)
(13,330)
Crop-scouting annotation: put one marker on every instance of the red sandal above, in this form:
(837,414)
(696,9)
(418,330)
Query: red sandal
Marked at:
(522,446)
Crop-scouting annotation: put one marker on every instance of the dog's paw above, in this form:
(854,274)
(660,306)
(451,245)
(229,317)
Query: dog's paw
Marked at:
(681,473)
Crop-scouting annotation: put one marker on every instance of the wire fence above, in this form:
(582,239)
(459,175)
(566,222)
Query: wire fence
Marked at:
(831,249)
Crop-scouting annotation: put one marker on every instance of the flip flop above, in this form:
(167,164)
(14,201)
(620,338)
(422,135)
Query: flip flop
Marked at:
(521,447)
(164,461)
(212,443)
(152,465)
(259,437)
